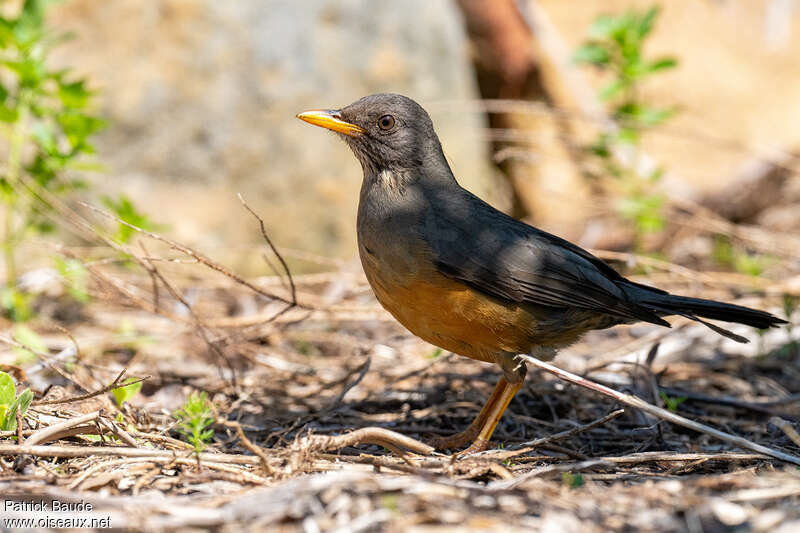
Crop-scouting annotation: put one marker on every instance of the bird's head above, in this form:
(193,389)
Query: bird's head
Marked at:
(385,131)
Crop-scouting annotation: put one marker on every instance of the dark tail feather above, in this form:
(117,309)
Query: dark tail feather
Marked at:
(694,308)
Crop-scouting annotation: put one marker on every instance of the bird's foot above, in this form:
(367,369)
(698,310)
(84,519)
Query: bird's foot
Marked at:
(459,440)
(478,445)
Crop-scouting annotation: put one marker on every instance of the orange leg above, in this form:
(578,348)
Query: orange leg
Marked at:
(480,430)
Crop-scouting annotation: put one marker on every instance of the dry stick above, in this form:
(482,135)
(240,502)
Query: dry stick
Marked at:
(787,428)
(20,438)
(113,385)
(272,247)
(201,328)
(638,403)
(124,436)
(195,255)
(247,443)
(121,289)
(507,484)
(47,433)
(349,386)
(123,451)
(526,447)
(382,437)
(46,357)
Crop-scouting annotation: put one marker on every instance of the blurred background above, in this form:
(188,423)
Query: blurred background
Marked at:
(200,98)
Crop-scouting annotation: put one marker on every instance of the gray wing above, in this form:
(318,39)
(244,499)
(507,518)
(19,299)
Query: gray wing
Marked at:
(500,256)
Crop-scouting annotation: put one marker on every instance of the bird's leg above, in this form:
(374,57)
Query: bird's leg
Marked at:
(494,414)
(471,433)
(480,430)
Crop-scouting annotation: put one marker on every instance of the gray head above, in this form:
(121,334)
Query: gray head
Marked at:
(385,131)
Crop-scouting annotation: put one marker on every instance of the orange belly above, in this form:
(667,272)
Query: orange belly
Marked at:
(453,316)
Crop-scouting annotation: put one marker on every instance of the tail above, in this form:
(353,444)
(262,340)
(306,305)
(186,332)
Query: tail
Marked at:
(694,308)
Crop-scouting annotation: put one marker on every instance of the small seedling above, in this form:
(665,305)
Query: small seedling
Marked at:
(571,480)
(125,210)
(389,502)
(194,419)
(29,339)
(726,254)
(126,392)
(672,402)
(11,403)
(75,276)
(436,353)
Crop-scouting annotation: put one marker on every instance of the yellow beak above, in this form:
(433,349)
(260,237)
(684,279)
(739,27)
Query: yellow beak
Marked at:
(327,118)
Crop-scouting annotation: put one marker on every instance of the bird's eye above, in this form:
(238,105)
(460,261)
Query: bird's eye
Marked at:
(386,122)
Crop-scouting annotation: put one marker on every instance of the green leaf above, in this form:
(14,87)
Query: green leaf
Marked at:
(661,64)
(77,127)
(646,22)
(7,390)
(627,135)
(125,393)
(16,303)
(25,399)
(592,53)
(8,114)
(43,135)
(26,336)
(612,89)
(30,71)
(604,27)
(20,404)
(652,116)
(126,211)
(76,277)
(74,95)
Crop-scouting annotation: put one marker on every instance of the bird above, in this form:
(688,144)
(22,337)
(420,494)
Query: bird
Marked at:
(470,279)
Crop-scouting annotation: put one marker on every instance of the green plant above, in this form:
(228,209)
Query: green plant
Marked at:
(127,391)
(31,342)
(11,403)
(435,354)
(571,480)
(725,253)
(48,127)
(615,48)
(194,419)
(75,276)
(125,210)
(672,402)
(44,118)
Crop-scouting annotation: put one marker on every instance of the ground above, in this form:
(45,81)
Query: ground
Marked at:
(302,397)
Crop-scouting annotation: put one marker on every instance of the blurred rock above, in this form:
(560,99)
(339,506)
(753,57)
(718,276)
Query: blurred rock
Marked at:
(201,97)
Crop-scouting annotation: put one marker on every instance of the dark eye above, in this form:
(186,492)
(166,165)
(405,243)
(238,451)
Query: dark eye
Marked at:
(386,122)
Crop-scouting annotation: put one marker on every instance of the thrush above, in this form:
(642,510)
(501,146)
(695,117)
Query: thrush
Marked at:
(472,280)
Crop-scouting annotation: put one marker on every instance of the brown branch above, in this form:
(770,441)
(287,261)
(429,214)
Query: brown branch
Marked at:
(46,434)
(199,325)
(526,447)
(272,247)
(390,440)
(117,383)
(247,443)
(195,255)
(122,451)
(787,428)
(658,412)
